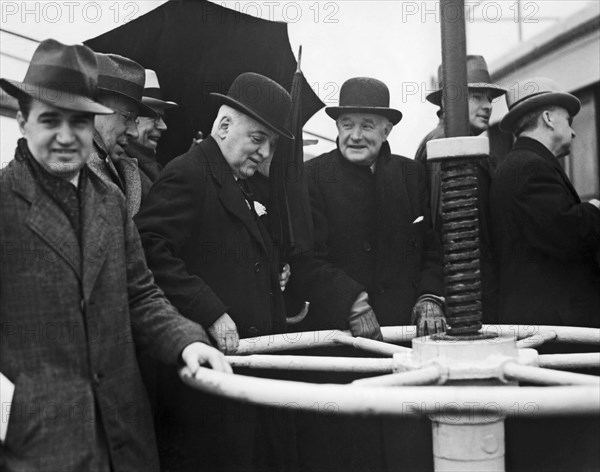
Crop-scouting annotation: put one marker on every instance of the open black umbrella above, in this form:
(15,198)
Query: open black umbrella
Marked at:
(197,47)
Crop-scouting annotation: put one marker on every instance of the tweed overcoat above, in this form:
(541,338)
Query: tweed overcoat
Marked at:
(547,241)
(372,232)
(70,314)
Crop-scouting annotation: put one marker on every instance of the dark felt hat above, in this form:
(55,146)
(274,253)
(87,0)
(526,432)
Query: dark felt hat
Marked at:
(478,77)
(125,77)
(261,99)
(153,96)
(535,93)
(365,95)
(61,76)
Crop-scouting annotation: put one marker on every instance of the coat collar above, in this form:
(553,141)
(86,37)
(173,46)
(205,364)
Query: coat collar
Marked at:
(529,144)
(230,193)
(50,224)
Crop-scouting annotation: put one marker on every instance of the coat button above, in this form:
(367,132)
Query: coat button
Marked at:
(367,246)
(98,377)
(381,289)
(252,330)
(257,267)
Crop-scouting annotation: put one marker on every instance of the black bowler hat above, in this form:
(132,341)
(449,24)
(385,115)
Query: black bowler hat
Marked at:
(365,95)
(124,77)
(61,76)
(262,99)
(478,77)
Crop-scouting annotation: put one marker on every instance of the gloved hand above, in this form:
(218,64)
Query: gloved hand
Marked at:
(284,276)
(225,333)
(428,315)
(362,319)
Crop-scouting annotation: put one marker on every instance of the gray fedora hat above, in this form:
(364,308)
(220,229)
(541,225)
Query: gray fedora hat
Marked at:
(153,96)
(61,76)
(365,95)
(533,93)
(478,77)
(124,77)
(262,99)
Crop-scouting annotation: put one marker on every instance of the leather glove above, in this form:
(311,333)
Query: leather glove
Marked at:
(225,333)
(428,315)
(362,319)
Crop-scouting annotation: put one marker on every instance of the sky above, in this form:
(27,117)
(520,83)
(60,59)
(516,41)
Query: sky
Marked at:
(397,42)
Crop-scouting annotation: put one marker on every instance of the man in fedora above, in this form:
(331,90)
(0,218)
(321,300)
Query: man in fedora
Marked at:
(482,92)
(546,237)
(376,260)
(76,291)
(150,130)
(121,85)
(215,261)
(547,241)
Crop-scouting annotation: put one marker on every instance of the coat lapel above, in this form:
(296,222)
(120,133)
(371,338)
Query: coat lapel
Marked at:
(47,220)
(230,193)
(94,229)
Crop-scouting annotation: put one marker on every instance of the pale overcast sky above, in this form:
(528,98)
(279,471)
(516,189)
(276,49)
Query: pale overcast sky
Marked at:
(395,41)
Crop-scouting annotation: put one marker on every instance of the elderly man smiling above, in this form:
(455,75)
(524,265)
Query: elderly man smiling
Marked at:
(376,262)
(213,257)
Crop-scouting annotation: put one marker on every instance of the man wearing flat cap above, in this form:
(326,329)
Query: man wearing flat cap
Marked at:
(376,259)
(547,238)
(76,291)
(482,92)
(121,84)
(547,241)
(214,259)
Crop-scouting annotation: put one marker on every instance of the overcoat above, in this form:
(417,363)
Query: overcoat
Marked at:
(211,255)
(123,173)
(372,232)
(70,312)
(547,240)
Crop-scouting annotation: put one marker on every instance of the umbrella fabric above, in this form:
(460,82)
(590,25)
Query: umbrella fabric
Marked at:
(197,47)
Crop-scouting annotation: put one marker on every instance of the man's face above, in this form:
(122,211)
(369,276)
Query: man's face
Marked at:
(60,140)
(361,136)
(480,110)
(116,129)
(246,144)
(150,130)
(563,134)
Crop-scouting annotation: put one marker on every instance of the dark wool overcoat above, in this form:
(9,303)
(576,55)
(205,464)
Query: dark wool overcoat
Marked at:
(372,232)
(547,240)
(70,312)
(211,255)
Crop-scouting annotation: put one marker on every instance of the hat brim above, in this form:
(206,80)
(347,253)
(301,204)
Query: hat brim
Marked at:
(560,99)
(495,91)
(390,113)
(225,100)
(155,103)
(143,110)
(54,97)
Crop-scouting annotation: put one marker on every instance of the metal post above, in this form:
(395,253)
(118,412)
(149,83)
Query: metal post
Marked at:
(459,189)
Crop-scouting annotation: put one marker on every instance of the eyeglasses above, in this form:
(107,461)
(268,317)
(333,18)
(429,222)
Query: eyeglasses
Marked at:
(129,117)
